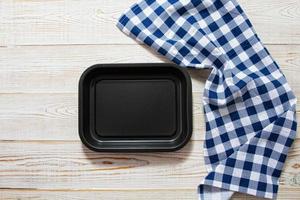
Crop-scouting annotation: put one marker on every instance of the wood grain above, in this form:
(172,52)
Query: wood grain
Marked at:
(69,165)
(46,116)
(176,194)
(56,69)
(45,45)
(39,94)
(50,22)
(148,194)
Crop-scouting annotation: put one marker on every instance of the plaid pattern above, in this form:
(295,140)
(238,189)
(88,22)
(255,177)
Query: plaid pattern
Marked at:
(249,106)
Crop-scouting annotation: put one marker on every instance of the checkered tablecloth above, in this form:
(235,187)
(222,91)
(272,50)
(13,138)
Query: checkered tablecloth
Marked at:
(249,106)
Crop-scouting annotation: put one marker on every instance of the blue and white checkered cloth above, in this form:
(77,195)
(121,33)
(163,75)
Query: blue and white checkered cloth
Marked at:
(249,106)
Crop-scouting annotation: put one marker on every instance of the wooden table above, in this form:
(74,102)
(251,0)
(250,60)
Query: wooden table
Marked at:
(44,47)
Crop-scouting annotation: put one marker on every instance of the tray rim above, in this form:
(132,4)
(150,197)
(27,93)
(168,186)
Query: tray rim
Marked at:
(188,108)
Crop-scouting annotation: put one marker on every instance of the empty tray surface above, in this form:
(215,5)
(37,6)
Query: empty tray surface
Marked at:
(135,107)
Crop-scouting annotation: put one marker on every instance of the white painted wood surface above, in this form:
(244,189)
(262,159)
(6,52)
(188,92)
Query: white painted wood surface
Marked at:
(44,47)
(44,22)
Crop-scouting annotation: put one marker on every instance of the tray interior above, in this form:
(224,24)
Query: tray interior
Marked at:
(134,107)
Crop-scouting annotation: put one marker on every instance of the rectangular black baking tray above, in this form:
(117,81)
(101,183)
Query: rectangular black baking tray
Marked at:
(135,107)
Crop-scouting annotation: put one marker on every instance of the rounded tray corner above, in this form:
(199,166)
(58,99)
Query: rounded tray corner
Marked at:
(133,142)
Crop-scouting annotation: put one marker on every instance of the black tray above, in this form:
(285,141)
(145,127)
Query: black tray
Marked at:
(135,107)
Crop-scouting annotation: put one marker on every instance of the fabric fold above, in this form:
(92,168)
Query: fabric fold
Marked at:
(249,107)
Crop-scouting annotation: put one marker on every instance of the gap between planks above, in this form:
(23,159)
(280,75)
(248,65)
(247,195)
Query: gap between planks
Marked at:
(115,44)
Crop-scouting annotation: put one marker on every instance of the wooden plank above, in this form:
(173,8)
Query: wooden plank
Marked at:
(55,116)
(68,165)
(39,93)
(100,195)
(38,116)
(148,194)
(283,193)
(56,69)
(38,102)
(270,17)
(48,22)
